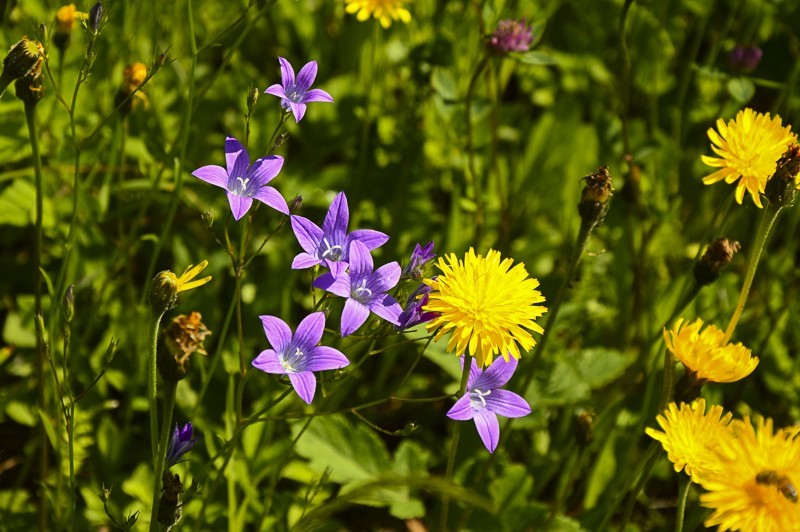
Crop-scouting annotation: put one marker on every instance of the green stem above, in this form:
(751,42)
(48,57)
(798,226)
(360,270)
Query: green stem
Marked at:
(683,494)
(451,456)
(473,185)
(153,384)
(158,465)
(367,121)
(759,241)
(271,144)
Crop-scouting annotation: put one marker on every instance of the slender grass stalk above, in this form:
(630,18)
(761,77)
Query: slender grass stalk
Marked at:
(683,494)
(363,143)
(759,241)
(152,393)
(158,467)
(451,455)
(473,183)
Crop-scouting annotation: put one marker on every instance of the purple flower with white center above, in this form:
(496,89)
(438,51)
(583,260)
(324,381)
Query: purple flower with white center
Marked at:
(295,93)
(484,401)
(419,258)
(298,355)
(331,243)
(244,182)
(511,36)
(364,289)
(180,444)
(413,314)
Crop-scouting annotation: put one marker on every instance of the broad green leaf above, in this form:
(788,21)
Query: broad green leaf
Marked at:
(741,89)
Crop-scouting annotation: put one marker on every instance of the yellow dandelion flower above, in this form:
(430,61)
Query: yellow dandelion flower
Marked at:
(385,11)
(489,306)
(691,437)
(65,17)
(749,147)
(757,488)
(704,353)
(134,75)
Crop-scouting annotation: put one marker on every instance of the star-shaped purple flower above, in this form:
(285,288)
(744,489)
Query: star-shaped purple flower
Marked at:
(484,401)
(180,444)
(295,93)
(364,289)
(243,181)
(298,355)
(331,243)
(413,314)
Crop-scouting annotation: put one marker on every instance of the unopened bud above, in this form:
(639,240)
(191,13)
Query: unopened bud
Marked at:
(43,32)
(281,139)
(164,292)
(22,57)
(69,303)
(105,493)
(718,255)
(595,196)
(252,98)
(408,429)
(40,330)
(96,18)
(111,350)
(161,60)
(296,204)
(208,218)
(30,88)
(781,188)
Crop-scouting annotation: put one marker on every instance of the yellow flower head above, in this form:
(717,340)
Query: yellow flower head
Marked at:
(704,354)
(384,11)
(134,75)
(691,437)
(749,147)
(489,306)
(756,489)
(184,282)
(166,286)
(65,18)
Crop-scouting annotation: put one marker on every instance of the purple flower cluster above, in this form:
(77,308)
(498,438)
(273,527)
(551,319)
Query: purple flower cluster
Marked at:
(511,36)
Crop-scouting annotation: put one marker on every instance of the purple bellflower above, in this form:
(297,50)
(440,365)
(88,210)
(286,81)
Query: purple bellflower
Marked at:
(413,314)
(331,244)
(242,181)
(298,355)
(364,289)
(295,93)
(484,401)
(419,258)
(180,444)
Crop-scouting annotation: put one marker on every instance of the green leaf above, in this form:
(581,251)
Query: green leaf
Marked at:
(21,412)
(444,83)
(741,89)
(605,468)
(535,57)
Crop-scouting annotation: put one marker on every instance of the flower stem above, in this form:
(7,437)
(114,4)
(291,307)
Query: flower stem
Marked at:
(153,384)
(473,184)
(271,144)
(759,241)
(683,493)
(451,457)
(158,465)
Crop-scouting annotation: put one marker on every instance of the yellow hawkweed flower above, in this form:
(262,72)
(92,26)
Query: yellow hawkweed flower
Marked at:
(134,75)
(384,11)
(184,282)
(704,354)
(749,147)
(65,18)
(166,286)
(691,437)
(756,489)
(489,306)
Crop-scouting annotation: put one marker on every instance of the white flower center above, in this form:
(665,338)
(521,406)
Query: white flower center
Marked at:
(361,291)
(289,362)
(476,398)
(242,185)
(333,253)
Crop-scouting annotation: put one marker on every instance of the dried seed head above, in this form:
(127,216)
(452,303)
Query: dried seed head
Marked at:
(595,196)
(781,188)
(23,57)
(184,336)
(718,255)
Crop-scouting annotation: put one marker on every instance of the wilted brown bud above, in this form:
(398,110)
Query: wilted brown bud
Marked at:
(169,506)
(718,255)
(595,196)
(585,425)
(782,186)
(296,204)
(184,336)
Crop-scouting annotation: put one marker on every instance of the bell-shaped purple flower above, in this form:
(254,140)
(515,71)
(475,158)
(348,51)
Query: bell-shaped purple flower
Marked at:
(244,182)
(180,444)
(420,257)
(295,93)
(331,243)
(413,314)
(364,289)
(484,401)
(298,355)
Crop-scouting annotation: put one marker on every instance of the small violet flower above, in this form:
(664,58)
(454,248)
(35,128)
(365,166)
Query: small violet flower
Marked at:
(413,314)
(331,243)
(295,93)
(243,181)
(484,401)
(745,59)
(180,444)
(419,258)
(364,289)
(298,355)
(511,36)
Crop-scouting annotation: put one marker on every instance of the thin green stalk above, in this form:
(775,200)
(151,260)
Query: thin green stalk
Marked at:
(367,121)
(473,184)
(271,144)
(759,241)
(71,451)
(152,394)
(451,456)
(683,494)
(158,465)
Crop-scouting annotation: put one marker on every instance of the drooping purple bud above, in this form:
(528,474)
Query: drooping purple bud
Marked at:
(511,36)
(745,59)
(180,444)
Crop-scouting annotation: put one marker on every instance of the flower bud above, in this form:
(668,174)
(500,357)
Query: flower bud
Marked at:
(69,303)
(595,197)
(208,218)
(296,204)
(40,330)
(23,56)
(718,255)
(96,18)
(781,188)
(164,292)
(280,140)
(30,88)
(252,98)
(105,493)
(111,350)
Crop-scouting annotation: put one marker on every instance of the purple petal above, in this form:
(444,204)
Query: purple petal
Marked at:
(488,428)
(360,260)
(308,234)
(265,169)
(317,95)
(474,372)
(368,237)
(337,267)
(278,333)
(386,277)
(353,316)
(462,410)
(268,361)
(304,260)
(497,374)
(507,404)
(236,158)
(298,110)
(387,308)
(239,205)
(306,77)
(305,384)
(323,358)
(339,286)
(337,218)
(287,72)
(273,198)
(276,90)
(309,332)
(216,175)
